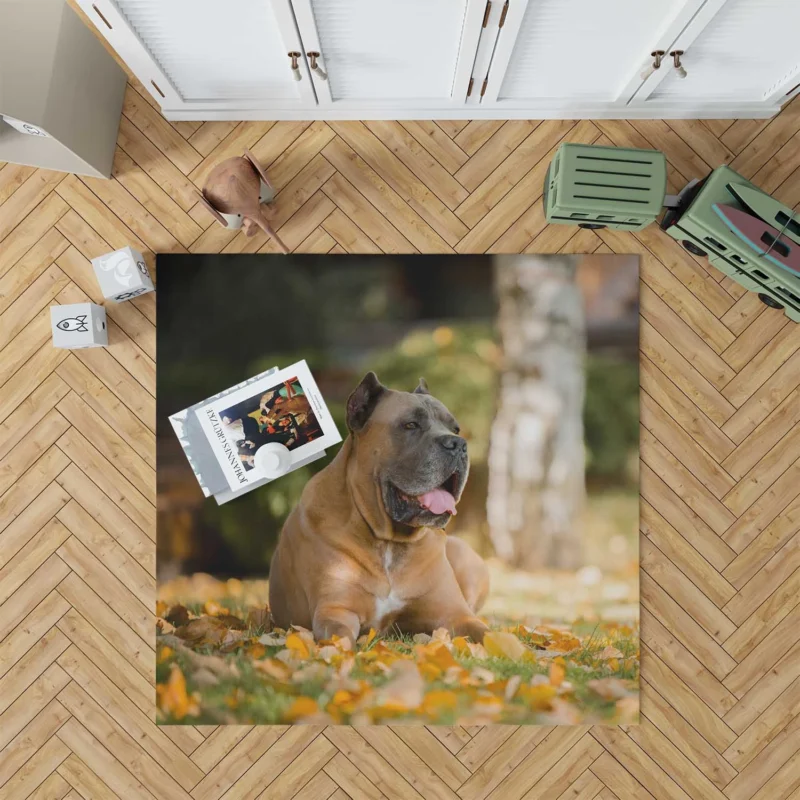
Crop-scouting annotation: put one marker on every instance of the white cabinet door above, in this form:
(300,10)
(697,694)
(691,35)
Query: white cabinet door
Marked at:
(564,54)
(196,55)
(384,54)
(735,51)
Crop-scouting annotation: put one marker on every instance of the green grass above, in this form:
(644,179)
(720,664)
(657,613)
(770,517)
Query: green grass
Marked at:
(234,690)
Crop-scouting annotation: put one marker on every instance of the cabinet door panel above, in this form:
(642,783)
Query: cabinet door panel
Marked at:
(747,52)
(385,52)
(207,54)
(577,50)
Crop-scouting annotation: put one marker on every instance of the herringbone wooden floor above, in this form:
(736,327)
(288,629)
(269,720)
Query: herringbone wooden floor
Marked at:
(720,491)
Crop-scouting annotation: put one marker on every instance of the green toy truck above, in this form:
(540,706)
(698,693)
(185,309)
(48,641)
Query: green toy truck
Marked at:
(701,231)
(598,187)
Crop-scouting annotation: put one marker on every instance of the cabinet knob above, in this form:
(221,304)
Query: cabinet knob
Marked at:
(315,68)
(296,74)
(676,60)
(651,68)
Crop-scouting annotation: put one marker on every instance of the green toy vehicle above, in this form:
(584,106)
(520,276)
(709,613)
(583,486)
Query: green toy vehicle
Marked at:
(605,187)
(696,225)
(598,187)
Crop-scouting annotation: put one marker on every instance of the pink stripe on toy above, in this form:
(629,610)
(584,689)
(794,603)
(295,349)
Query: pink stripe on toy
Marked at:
(764,239)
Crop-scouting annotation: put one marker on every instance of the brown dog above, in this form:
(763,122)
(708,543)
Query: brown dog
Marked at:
(365,547)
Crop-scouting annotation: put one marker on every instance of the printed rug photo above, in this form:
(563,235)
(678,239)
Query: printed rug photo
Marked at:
(398,489)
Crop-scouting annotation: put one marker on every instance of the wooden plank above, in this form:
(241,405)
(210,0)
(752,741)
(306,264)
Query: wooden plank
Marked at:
(476,133)
(348,199)
(684,411)
(25,199)
(153,161)
(100,763)
(108,478)
(683,736)
(493,152)
(92,608)
(106,439)
(685,593)
(426,168)
(411,206)
(12,176)
(39,729)
(24,237)
(538,145)
(152,197)
(30,267)
(159,131)
(437,143)
(162,756)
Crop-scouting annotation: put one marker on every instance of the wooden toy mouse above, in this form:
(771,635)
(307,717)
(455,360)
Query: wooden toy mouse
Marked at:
(234,192)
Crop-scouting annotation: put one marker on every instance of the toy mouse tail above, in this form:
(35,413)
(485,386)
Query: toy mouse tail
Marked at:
(263,223)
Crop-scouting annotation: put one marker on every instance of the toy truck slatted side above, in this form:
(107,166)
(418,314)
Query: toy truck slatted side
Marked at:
(597,187)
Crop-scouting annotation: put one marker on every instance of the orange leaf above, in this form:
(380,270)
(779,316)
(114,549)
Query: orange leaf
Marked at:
(461,646)
(438,655)
(430,671)
(435,702)
(557,672)
(538,697)
(173,697)
(274,669)
(297,646)
(164,654)
(503,645)
(301,707)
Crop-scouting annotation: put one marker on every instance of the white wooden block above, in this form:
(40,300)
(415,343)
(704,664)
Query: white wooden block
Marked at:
(79,325)
(122,274)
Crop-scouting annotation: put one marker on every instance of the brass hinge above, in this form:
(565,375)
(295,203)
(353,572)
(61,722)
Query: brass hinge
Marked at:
(483,88)
(469,88)
(486,13)
(503,15)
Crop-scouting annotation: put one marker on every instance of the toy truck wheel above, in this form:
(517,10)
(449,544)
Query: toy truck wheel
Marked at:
(769,301)
(592,226)
(693,248)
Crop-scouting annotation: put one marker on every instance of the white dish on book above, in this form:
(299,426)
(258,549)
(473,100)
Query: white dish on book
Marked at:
(273,459)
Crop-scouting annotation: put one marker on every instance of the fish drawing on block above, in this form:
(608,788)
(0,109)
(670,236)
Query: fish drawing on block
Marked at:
(77,324)
(761,237)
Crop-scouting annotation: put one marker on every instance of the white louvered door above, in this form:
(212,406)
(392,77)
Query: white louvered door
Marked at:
(741,50)
(391,53)
(438,59)
(208,54)
(563,54)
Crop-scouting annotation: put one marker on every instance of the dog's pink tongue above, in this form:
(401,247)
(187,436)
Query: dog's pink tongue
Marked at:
(438,501)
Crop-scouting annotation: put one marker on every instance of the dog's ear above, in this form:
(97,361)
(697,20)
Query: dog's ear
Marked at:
(363,400)
(422,388)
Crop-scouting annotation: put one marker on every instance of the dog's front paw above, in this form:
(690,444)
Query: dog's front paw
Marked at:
(336,622)
(472,627)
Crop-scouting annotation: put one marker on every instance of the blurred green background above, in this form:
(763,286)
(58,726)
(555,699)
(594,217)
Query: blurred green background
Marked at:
(222,319)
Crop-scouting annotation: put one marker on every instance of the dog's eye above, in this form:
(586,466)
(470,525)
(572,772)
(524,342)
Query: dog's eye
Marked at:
(410,426)
(456,430)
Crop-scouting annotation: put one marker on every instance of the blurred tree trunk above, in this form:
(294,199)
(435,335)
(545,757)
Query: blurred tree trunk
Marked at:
(536,452)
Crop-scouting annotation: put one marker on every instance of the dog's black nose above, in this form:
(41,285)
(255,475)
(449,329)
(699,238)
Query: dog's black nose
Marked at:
(453,443)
